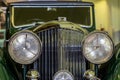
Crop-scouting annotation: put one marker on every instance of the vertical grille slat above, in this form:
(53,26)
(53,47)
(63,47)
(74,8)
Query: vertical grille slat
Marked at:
(61,50)
(42,57)
(48,54)
(51,52)
(56,49)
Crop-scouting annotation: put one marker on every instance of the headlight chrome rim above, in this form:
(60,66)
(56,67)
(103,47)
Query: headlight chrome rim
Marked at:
(107,37)
(11,53)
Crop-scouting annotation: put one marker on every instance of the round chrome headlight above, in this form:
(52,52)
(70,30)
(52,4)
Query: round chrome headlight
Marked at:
(24,47)
(98,47)
(63,75)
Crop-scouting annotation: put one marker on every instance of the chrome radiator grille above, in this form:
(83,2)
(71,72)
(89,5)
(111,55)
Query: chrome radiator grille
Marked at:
(61,51)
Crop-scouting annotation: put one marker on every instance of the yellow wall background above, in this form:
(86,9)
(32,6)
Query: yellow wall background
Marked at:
(101,13)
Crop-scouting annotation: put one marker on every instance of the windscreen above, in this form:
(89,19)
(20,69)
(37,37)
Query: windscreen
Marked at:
(26,15)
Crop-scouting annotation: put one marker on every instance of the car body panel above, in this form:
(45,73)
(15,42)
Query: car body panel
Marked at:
(5,73)
(111,69)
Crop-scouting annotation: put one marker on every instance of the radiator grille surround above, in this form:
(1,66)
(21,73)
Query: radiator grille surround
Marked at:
(61,50)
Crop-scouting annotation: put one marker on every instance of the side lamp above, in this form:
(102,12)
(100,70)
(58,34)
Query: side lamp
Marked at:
(33,75)
(90,75)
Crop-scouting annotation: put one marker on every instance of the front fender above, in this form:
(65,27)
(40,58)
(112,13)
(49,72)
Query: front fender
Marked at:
(116,69)
(111,69)
(4,71)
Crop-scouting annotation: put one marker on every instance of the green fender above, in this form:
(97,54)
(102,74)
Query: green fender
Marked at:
(111,69)
(4,71)
(116,74)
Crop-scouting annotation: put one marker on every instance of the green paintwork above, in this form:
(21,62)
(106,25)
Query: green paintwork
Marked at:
(111,69)
(4,71)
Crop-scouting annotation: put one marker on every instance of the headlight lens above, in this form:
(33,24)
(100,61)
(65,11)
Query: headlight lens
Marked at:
(24,47)
(63,75)
(98,47)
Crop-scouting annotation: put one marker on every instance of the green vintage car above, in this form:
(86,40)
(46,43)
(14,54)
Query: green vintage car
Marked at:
(54,41)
